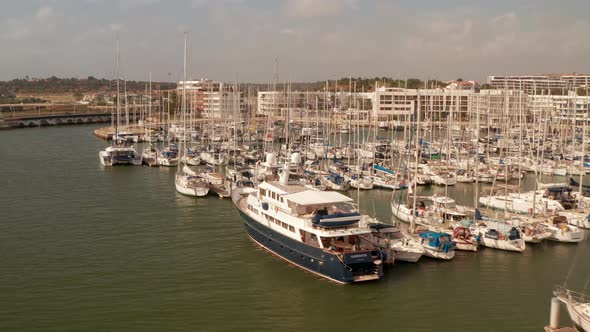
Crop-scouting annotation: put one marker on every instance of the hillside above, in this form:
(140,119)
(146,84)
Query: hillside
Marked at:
(57,89)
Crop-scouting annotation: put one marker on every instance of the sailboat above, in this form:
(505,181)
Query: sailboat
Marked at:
(169,156)
(120,152)
(397,245)
(190,184)
(498,234)
(436,244)
(578,307)
(149,156)
(186,181)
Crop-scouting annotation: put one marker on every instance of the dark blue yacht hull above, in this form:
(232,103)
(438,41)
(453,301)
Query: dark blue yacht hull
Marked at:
(351,269)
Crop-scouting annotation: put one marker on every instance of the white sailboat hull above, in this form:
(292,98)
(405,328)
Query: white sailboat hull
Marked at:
(104,159)
(436,253)
(197,191)
(464,245)
(537,238)
(167,162)
(407,256)
(509,245)
(572,236)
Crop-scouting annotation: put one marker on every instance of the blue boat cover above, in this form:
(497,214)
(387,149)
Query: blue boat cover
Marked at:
(437,240)
(383,169)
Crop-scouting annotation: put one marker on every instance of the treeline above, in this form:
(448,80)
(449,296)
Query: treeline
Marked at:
(72,85)
(8,89)
(358,84)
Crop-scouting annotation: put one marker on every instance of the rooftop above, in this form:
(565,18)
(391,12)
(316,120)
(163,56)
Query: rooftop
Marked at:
(282,189)
(314,197)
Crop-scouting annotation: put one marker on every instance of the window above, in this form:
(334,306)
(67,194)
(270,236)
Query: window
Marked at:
(292,229)
(284,225)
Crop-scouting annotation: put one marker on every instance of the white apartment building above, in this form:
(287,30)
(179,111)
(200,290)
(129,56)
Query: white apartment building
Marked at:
(540,84)
(576,80)
(437,106)
(277,103)
(564,108)
(213,99)
(397,104)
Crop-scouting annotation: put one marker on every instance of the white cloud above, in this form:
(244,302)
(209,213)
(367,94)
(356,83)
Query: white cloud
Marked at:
(198,3)
(202,3)
(127,4)
(316,8)
(115,27)
(16,30)
(44,12)
(506,19)
(287,31)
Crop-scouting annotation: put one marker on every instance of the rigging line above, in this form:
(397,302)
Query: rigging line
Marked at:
(586,284)
(571,269)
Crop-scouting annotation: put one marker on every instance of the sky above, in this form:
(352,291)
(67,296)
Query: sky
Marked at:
(313,40)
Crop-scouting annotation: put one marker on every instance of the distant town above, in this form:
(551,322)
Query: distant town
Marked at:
(380,98)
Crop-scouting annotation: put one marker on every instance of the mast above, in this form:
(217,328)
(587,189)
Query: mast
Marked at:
(150,96)
(183,108)
(412,220)
(476,198)
(584,136)
(126,106)
(118,101)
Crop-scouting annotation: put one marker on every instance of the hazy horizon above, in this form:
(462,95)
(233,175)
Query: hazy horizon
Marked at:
(314,40)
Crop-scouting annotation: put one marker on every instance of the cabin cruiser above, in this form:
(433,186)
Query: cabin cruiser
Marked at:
(169,156)
(387,181)
(555,198)
(526,203)
(437,245)
(214,157)
(313,183)
(360,182)
(438,214)
(497,234)
(191,158)
(463,237)
(321,232)
(396,245)
(561,231)
(532,231)
(334,181)
(444,178)
(431,210)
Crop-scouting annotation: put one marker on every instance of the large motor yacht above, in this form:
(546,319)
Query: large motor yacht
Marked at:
(319,231)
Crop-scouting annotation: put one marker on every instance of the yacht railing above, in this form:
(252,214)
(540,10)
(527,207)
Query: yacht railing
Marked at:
(569,295)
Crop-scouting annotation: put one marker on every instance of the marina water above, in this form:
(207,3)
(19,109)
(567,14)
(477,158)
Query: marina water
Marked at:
(89,248)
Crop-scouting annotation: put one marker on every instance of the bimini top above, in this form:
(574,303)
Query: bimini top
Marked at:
(559,189)
(314,197)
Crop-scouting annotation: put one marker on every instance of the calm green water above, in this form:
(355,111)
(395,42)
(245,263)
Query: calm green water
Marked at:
(86,248)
